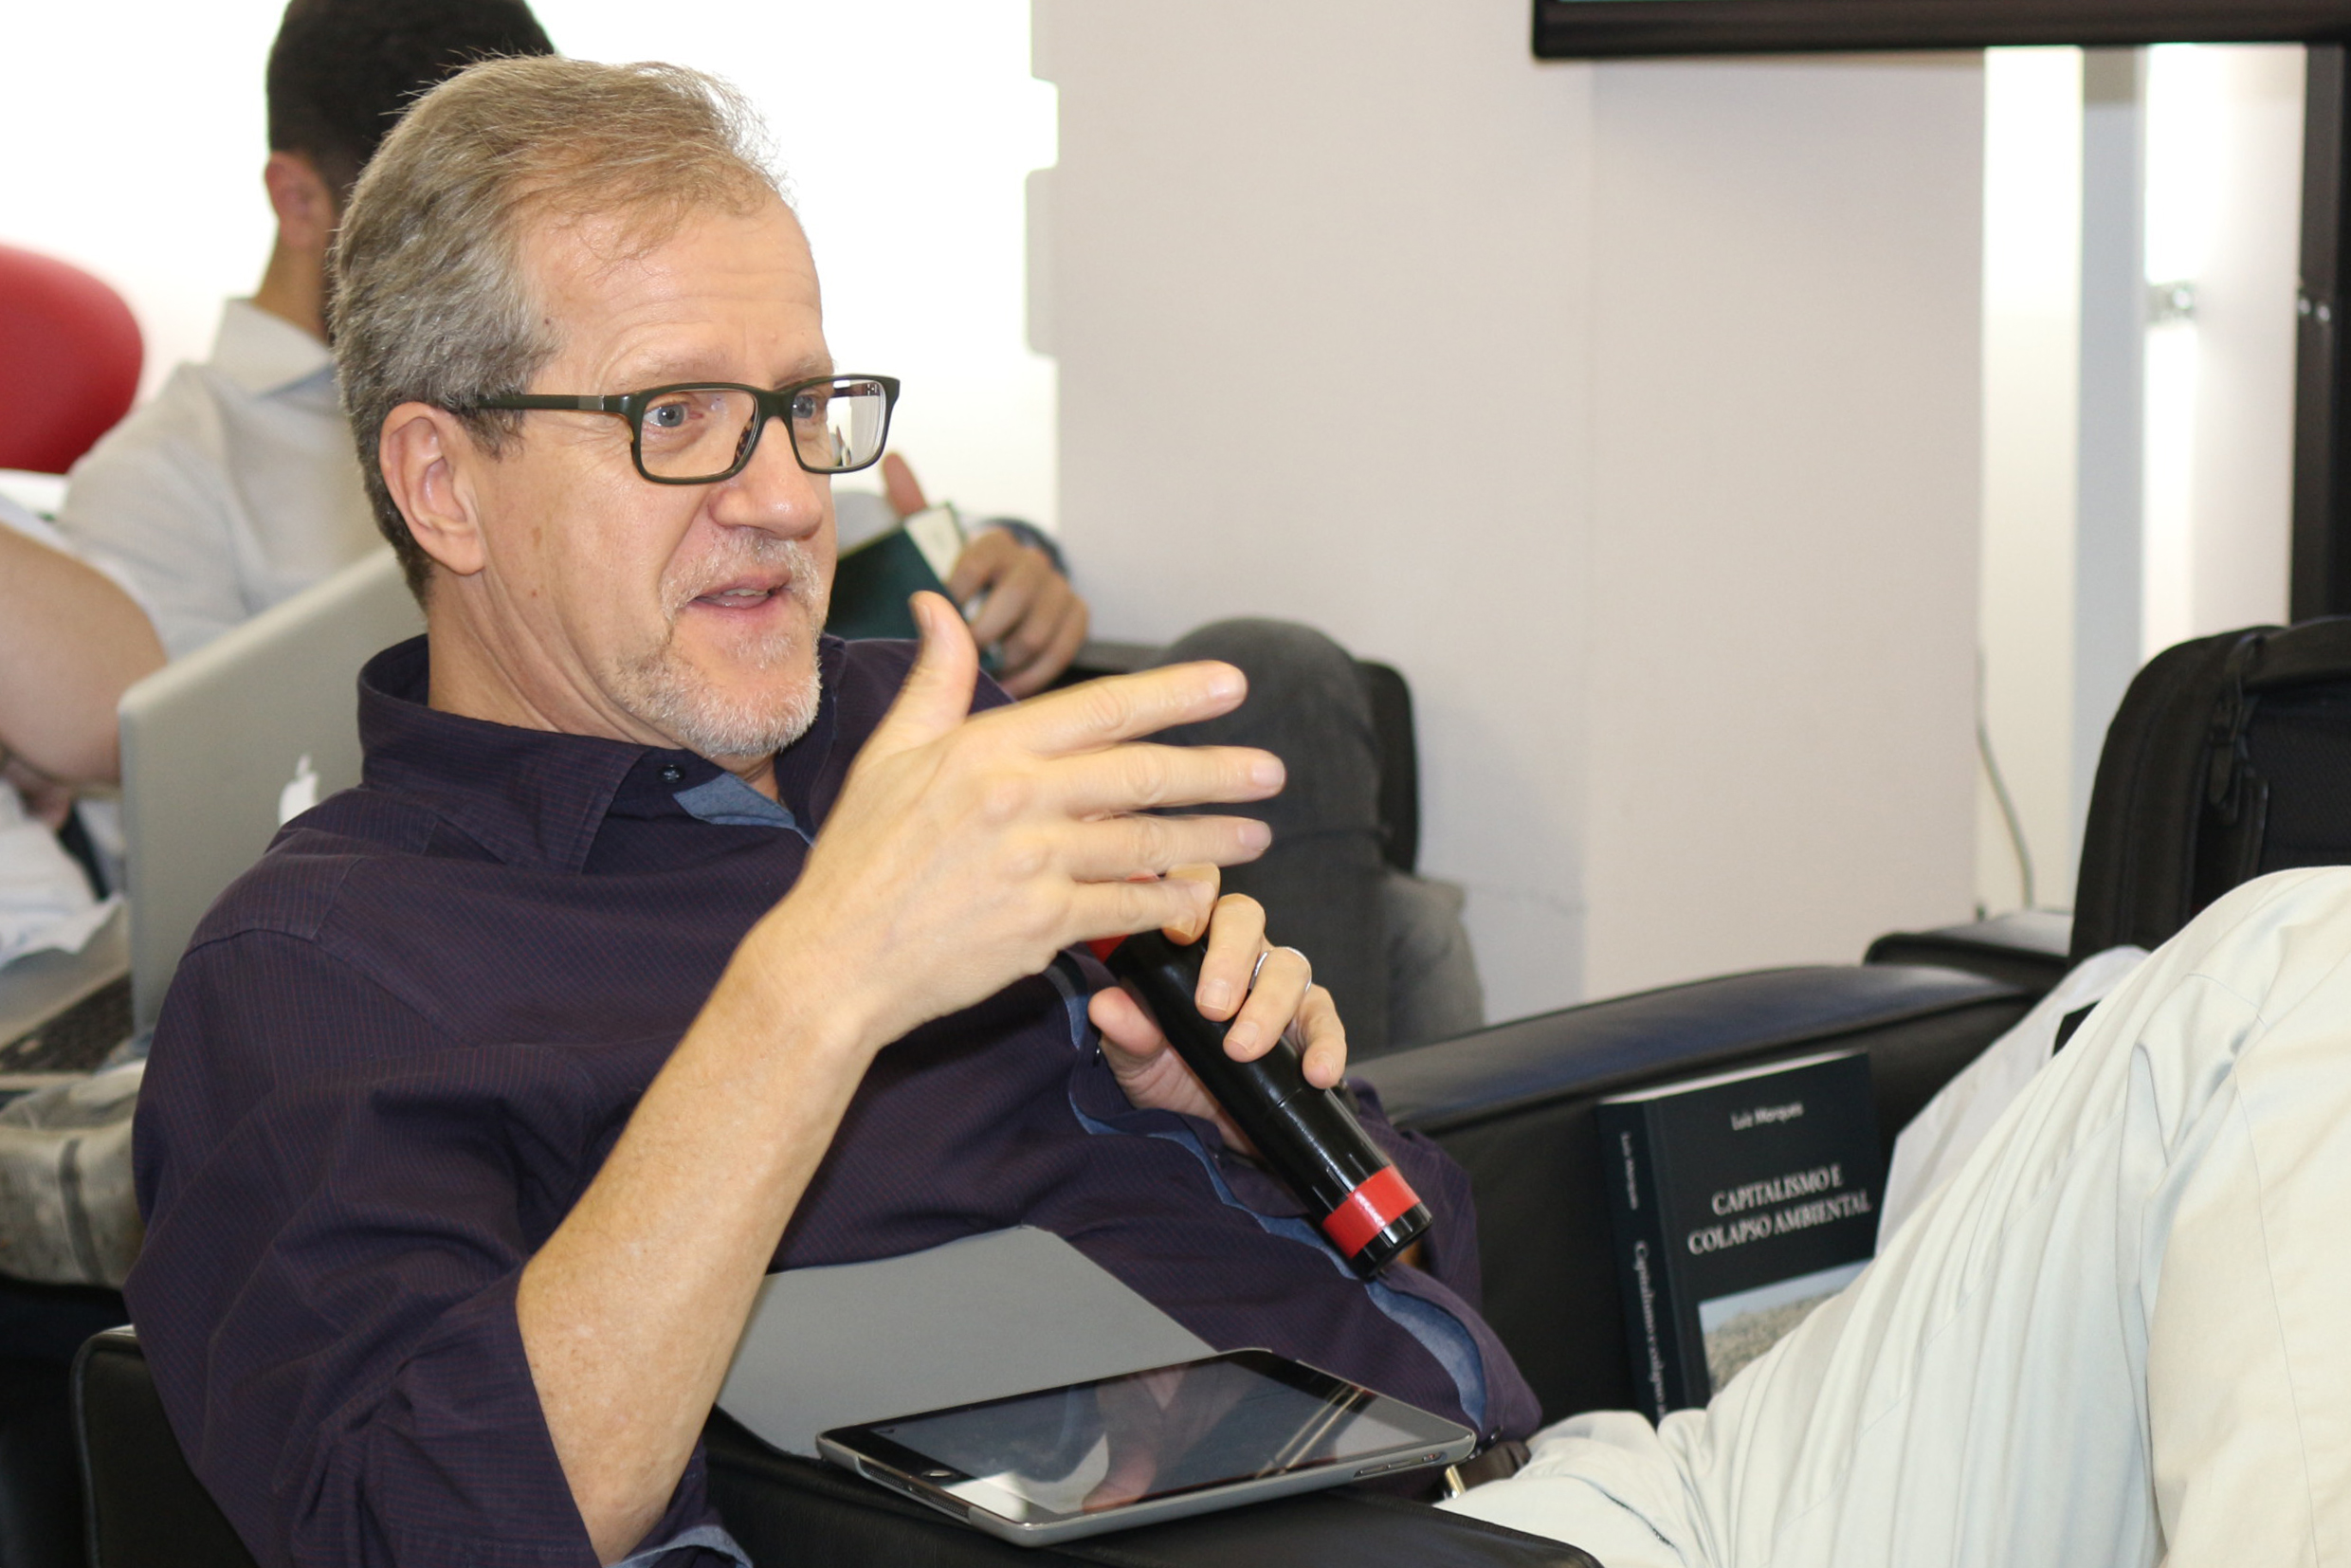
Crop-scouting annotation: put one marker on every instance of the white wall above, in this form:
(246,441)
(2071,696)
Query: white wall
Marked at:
(2031,348)
(2224,208)
(1370,221)
(1785,519)
(2179,165)
(906,130)
(1631,410)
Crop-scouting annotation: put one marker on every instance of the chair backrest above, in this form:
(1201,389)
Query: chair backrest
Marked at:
(147,1510)
(69,361)
(1391,697)
(2230,758)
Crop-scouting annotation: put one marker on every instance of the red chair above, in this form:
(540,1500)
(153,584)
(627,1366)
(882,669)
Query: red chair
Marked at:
(69,360)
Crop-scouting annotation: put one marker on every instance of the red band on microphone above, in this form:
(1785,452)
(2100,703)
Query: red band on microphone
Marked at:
(1102,947)
(1384,1198)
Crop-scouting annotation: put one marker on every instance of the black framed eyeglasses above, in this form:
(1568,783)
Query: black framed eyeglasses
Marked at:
(700,432)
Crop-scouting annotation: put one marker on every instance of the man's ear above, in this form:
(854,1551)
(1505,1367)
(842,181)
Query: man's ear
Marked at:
(303,200)
(428,458)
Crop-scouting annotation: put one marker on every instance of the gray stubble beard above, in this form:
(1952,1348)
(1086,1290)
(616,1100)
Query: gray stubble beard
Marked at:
(660,688)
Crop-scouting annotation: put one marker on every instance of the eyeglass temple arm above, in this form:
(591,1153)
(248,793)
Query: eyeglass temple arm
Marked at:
(617,404)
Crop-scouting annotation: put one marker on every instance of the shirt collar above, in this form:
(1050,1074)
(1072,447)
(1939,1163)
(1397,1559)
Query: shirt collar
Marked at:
(263,354)
(539,797)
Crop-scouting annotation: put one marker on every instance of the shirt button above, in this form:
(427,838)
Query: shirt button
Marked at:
(670,774)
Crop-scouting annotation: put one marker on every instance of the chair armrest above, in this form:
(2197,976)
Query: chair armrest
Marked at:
(2030,949)
(1513,1104)
(788,1509)
(147,1510)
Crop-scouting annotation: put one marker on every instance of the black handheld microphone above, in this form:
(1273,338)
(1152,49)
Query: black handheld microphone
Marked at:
(1308,1136)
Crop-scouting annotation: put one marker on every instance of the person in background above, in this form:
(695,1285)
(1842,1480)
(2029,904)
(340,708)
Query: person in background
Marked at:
(47,682)
(234,487)
(45,899)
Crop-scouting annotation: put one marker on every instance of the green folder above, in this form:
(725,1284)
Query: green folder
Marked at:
(871,583)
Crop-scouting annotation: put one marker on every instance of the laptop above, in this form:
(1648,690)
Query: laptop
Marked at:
(249,731)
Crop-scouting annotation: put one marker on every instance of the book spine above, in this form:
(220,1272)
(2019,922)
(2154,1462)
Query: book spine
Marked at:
(1644,1264)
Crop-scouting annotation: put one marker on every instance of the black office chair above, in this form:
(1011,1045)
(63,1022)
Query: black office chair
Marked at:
(144,1504)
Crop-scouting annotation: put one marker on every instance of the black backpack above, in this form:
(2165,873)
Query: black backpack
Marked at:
(2230,758)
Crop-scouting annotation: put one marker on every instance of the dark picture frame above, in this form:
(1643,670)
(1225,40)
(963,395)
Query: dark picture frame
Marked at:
(1597,30)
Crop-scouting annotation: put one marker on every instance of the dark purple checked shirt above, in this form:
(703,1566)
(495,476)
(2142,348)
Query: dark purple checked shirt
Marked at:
(401,1046)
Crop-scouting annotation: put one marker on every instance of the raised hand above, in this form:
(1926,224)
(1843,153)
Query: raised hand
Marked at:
(966,849)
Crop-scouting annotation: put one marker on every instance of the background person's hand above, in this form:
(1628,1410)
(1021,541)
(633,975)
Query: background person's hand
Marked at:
(1031,615)
(965,850)
(46,800)
(1284,994)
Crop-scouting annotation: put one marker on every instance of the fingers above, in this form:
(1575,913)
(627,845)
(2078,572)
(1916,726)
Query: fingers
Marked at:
(900,486)
(1282,982)
(1031,616)
(1125,1024)
(1120,908)
(1275,992)
(1325,1039)
(1055,656)
(937,694)
(987,556)
(1016,590)
(1123,707)
(1236,935)
(1041,647)
(1207,875)
(1142,776)
(1120,848)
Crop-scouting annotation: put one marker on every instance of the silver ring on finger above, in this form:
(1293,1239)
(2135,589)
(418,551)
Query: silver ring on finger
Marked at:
(1268,953)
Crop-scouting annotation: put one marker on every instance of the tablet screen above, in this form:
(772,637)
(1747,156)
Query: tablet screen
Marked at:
(1150,1434)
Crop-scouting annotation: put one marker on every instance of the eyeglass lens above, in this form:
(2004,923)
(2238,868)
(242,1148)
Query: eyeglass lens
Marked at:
(700,432)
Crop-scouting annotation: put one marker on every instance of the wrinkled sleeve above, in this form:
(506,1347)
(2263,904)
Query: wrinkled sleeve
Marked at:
(150,509)
(340,1199)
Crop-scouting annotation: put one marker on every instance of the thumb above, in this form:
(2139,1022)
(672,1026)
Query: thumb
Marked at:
(904,489)
(937,694)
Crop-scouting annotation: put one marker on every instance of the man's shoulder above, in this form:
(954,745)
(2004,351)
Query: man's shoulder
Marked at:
(363,837)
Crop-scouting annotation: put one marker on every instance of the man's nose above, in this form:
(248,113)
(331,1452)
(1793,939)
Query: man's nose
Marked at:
(773,492)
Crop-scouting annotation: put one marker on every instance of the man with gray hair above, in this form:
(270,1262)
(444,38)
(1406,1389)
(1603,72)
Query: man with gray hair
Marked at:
(667,943)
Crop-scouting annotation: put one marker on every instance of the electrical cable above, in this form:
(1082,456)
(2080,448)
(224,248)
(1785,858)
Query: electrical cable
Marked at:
(1999,789)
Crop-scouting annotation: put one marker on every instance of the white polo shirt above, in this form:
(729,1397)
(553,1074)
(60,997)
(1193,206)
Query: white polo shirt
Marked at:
(234,489)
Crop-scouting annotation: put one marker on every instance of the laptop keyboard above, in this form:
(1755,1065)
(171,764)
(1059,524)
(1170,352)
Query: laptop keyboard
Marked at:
(78,1039)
